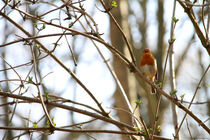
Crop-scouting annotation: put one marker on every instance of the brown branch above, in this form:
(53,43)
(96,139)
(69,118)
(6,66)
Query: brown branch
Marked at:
(84,112)
(117,53)
(114,51)
(202,18)
(173,100)
(196,91)
(188,128)
(145,129)
(172,72)
(34,37)
(205,42)
(111,48)
(121,31)
(57,60)
(170,49)
(32,129)
(6,94)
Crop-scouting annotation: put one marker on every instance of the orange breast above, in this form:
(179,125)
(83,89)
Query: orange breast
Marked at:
(147,59)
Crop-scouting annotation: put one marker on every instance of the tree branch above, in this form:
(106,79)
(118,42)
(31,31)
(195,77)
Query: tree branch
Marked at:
(205,41)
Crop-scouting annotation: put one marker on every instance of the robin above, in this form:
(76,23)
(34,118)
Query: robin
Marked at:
(148,66)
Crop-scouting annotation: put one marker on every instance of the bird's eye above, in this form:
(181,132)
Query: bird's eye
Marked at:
(146,51)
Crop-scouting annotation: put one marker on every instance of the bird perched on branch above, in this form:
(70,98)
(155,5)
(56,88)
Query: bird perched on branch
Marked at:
(148,66)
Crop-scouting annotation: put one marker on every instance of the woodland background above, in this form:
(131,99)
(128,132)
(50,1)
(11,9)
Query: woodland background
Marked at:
(65,65)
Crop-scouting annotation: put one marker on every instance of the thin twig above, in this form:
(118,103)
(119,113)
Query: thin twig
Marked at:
(117,53)
(34,129)
(174,101)
(121,31)
(122,91)
(34,37)
(16,101)
(39,92)
(145,127)
(58,61)
(195,93)
(190,13)
(70,108)
(164,70)
(111,48)
(202,18)
(188,128)
(172,72)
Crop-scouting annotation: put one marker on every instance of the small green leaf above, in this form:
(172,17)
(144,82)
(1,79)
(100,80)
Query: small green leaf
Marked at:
(30,79)
(25,43)
(175,19)
(149,130)
(114,4)
(48,123)
(43,26)
(143,132)
(46,94)
(182,96)
(159,84)
(35,25)
(35,124)
(136,128)
(207,85)
(173,39)
(158,128)
(173,92)
(139,102)
(54,124)
(70,24)
(37,46)
(170,41)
